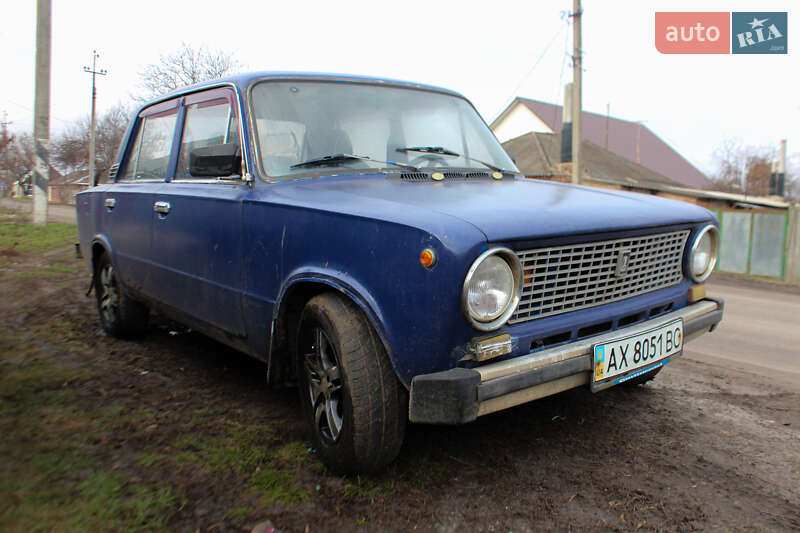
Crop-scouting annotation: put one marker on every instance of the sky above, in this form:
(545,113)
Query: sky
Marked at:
(488,51)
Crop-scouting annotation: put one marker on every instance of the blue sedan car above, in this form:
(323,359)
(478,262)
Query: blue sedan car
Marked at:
(371,241)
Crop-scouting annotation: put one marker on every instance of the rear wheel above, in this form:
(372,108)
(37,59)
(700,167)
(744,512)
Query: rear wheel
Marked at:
(120,315)
(351,398)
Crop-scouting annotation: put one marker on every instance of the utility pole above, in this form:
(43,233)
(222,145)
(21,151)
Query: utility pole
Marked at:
(577,67)
(94,72)
(41,113)
(781,177)
(566,126)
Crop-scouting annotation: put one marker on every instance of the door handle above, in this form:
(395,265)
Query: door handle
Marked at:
(110,203)
(161,207)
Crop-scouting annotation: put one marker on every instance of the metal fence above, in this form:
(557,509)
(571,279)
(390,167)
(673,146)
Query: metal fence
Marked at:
(754,242)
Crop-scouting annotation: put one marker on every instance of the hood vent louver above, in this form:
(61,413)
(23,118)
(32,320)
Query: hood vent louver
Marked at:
(451,175)
(415,176)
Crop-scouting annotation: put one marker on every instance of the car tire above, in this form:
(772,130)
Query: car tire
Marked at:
(641,380)
(354,404)
(120,315)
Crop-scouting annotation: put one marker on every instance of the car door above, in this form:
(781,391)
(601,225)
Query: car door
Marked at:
(127,212)
(197,224)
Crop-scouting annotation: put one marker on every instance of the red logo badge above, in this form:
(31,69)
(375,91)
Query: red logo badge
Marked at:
(693,33)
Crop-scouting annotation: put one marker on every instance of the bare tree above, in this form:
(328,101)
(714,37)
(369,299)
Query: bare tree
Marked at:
(736,161)
(792,180)
(5,137)
(16,159)
(185,66)
(71,148)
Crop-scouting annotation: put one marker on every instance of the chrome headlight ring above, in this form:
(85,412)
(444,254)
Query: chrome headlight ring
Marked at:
(710,232)
(513,263)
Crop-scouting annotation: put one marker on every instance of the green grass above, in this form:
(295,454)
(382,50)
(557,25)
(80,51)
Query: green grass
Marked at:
(52,454)
(237,513)
(23,237)
(248,451)
(49,270)
(369,489)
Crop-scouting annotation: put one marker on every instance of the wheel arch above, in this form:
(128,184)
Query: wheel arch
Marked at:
(296,293)
(99,246)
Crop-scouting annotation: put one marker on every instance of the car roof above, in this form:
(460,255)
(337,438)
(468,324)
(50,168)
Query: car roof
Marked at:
(244,80)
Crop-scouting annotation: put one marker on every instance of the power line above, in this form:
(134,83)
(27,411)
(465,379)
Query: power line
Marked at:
(541,56)
(563,64)
(26,108)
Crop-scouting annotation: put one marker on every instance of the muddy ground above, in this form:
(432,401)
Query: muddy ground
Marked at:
(701,448)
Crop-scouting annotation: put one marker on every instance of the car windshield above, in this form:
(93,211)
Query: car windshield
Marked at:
(321,123)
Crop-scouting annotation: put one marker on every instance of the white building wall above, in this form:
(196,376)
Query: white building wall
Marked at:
(518,121)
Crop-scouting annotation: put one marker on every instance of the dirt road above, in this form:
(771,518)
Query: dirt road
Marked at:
(760,333)
(713,444)
(55,212)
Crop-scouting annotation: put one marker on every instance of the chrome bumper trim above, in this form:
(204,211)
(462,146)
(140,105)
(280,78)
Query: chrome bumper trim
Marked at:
(526,363)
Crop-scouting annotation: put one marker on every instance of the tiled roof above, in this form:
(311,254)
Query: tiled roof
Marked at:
(622,138)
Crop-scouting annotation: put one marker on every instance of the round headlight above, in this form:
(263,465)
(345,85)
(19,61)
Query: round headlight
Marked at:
(703,255)
(491,288)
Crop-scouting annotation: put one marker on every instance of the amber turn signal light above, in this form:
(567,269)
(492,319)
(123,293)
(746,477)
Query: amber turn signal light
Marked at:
(427,257)
(697,293)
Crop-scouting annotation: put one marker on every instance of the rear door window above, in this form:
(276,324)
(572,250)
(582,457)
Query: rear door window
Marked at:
(149,155)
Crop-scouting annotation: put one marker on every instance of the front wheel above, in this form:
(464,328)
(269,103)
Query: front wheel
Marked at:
(351,398)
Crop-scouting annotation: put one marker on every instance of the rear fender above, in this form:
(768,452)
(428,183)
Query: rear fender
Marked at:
(102,241)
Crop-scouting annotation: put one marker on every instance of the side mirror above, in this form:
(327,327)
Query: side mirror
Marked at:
(216,161)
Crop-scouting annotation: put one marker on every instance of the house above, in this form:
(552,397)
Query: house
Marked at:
(630,140)
(537,156)
(64,193)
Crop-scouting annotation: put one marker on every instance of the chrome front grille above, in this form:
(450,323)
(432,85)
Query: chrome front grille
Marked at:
(567,278)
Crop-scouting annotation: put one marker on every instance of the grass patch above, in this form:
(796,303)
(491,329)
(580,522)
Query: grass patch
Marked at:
(152,459)
(369,489)
(19,236)
(49,270)
(52,454)
(237,513)
(248,451)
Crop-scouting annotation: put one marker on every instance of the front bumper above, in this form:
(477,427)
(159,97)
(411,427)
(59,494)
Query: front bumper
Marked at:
(461,395)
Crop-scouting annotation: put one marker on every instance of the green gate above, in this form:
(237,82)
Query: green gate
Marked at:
(753,242)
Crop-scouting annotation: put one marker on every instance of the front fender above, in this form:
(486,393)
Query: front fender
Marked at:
(353,290)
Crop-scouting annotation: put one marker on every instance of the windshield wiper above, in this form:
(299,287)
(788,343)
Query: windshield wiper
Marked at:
(428,150)
(439,150)
(333,159)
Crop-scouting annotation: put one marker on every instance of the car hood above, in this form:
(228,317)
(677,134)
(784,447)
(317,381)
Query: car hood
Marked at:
(508,209)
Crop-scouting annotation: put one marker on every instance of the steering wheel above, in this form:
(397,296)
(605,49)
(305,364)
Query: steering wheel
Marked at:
(440,161)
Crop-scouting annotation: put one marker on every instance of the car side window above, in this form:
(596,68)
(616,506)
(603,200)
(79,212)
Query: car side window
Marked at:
(149,155)
(207,123)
